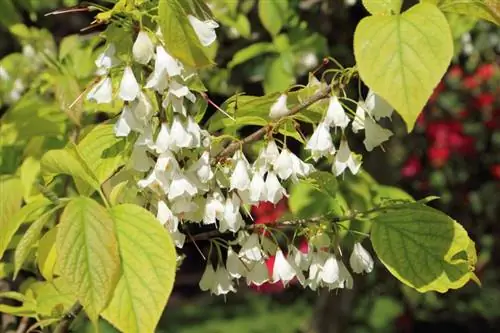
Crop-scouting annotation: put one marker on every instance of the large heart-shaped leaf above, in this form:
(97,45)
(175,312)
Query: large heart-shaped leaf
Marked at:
(424,248)
(403,57)
(148,264)
(89,258)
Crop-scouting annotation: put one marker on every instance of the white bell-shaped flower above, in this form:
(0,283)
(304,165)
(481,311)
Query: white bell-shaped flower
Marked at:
(143,49)
(208,278)
(223,283)
(251,249)
(106,60)
(345,278)
(258,273)
(166,217)
(279,109)
(234,265)
(284,165)
(180,137)
(129,87)
(175,97)
(240,178)
(214,208)
(274,190)
(330,270)
(300,168)
(345,159)
(163,140)
(282,270)
(375,134)
(194,131)
(181,186)
(202,168)
(232,219)
(315,278)
(360,260)
(377,106)
(205,30)
(358,122)
(184,205)
(300,259)
(102,92)
(257,188)
(320,143)
(142,108)
(126,122)
(267,157)
(165,66)
(335,115)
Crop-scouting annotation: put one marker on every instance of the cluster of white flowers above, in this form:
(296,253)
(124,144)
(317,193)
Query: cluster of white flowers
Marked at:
(312,268)
(175,157)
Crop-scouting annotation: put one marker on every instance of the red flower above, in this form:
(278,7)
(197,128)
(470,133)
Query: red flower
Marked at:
(471,82)
(495,171)
(462,144)
(484,100)
(455,72)
(438,156)
(412,167)
(266,212)
(485,72)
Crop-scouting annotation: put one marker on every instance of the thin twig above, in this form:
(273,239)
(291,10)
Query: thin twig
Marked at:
(64,324)
(257,135)
(23,325)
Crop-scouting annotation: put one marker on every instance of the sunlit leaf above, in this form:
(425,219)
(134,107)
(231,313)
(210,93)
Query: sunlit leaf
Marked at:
(91,262)
(273,14)
(377,7)
(424,248)
(482,9)
(9,205)
(148,265)
(403,57)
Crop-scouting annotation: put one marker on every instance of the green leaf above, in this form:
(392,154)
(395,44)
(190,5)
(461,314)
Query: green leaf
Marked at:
(27,309)
(180,38)
(28,213)
(383,7)
(53,298)
(251,52)
(482,9)
(11,197)
(279,76)
(403,57)
(66,161)
(148,265)
(273,14)
(9,15)
(47,254)
(103,151)
(29,239)
(424,248)
(29,172)
(91,263)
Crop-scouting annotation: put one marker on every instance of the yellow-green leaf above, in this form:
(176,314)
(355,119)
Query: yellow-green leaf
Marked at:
(179,36)
(273,14)
(47,254)
(91,263)
(424,248)
(11,196)
(403,57)
(103,151)
(29,239)
(483,9)
(383,7)
(66,161)
(53,298)
(148,261)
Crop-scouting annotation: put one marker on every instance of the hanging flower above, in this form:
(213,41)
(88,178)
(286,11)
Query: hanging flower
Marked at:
(279,109)
(358,122)
(129,87)
(258,273)
(240,179)
(205,30)
(222,282)
(360,260)
(335,115)
(345,159)
(231,219)
(234,265)
(251,249)
(214,208)
(282,270)
(208,278)
(274,189)
(102,92)
(143,49)
(377,106)
(320,143)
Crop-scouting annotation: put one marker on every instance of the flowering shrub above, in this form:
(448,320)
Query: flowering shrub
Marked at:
(113,161)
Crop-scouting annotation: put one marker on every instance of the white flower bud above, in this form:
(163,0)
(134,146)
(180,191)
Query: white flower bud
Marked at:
(214,208)
(279,109)
(181,186)
(330,270)
(205,30)
(360,260)
(283,165)
(358,122)
(143,49)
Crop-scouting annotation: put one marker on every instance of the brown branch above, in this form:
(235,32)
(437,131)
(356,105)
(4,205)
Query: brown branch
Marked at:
(64,324)
(257,135)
